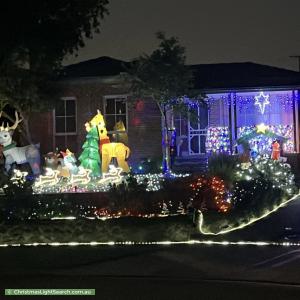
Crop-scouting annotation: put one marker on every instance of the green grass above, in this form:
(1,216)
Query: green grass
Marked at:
(176,228)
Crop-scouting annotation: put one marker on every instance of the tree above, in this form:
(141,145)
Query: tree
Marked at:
(90,157)
(164,76)
(36,36)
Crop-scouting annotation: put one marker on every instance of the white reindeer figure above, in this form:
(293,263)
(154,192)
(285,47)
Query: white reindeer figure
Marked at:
(19,155)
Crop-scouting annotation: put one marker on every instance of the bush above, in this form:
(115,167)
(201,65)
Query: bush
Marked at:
(223,166)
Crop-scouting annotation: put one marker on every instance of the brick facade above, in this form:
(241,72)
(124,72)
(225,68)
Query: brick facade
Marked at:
(144,121)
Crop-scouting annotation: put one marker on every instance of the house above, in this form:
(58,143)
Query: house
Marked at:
(240,96)
(98,84)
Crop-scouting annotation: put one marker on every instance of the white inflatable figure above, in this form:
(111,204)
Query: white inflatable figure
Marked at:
(19,155)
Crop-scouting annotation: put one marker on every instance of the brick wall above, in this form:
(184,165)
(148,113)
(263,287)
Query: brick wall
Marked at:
(144,130)
(144,122)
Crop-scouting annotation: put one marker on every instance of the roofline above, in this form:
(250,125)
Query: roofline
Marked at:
(248,89)
(100,79)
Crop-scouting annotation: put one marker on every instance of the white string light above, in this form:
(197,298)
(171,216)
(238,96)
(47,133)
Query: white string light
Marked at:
(159,243)
(204,232)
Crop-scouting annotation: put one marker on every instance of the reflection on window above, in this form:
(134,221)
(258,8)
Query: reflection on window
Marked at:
(65,116)
(115,111)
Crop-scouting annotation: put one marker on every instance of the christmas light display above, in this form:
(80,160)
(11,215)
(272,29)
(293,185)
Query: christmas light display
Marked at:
(218,139)
(82,177)
(263,142)
(103,185)
(50,178)
(241,226)
(262,100)
(278,173)
(151,243)
(18,176)
(246,101)
(210,189)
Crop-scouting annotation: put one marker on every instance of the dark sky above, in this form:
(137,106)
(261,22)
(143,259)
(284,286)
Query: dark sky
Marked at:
(213,31)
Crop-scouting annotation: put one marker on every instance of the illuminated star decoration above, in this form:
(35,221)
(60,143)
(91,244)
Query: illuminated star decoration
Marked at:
(261,128)
(262,100)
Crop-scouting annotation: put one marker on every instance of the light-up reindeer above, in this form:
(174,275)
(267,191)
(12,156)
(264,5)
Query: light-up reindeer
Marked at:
(19,155)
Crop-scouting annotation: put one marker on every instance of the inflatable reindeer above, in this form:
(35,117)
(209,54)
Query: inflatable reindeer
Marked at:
(19,155)
(109,150)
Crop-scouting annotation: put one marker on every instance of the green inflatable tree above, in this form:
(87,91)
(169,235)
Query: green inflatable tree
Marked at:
(90,157)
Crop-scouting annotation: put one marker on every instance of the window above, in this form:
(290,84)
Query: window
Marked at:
(115,110)
(65,116)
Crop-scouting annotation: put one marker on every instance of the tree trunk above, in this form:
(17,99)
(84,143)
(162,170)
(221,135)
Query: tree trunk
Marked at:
(165,144)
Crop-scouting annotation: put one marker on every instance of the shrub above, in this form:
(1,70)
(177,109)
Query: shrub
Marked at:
(223,166)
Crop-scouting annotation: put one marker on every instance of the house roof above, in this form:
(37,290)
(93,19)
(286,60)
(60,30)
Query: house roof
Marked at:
(244,75)
(207,77)
(102,66)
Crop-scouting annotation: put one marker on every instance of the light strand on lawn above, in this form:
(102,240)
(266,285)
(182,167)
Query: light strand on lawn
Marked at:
(160,243)
(201,219)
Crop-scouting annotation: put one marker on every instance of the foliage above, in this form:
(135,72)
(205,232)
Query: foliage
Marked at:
(128,195)
(17,199)
(16,188)
(149,166)
(262,185)
(223,165)
(164,76)
(256,196)
(259,188)
(36,36)
(176,228)
(277,173)
(209,193)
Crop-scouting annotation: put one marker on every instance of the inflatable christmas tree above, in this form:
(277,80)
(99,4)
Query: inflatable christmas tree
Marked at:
(90,157)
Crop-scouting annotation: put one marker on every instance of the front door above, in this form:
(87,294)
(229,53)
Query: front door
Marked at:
(197,131)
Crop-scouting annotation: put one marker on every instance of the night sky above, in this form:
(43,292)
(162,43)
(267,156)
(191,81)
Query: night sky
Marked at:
(213,31)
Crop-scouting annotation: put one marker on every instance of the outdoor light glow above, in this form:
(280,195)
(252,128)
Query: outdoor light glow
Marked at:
(158,243)
(201,219)
(263,142)
(261,128)
(83,176)
(262,100)
(218,139)
(50,178)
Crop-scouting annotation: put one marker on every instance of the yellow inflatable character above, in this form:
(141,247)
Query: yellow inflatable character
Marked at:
(107,149)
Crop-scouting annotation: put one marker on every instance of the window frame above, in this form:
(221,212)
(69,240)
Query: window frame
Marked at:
(65,117)
(108,97)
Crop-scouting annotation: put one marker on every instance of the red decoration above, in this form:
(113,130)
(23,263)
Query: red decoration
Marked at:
(275,150)
(210,193)
(140,105)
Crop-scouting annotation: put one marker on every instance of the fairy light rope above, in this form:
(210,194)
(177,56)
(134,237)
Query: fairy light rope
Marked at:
(159,243)
(201,219)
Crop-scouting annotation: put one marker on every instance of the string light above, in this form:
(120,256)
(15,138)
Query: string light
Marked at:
(262,100)
(218,139)
(151,243)
(253,220)
(264,143)
(50,178)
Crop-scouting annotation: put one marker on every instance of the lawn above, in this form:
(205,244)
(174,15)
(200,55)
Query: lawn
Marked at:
(136,229)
